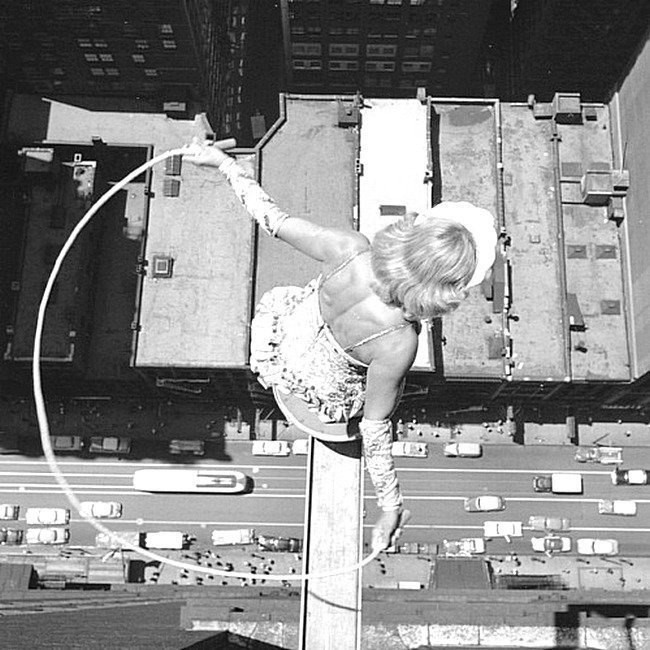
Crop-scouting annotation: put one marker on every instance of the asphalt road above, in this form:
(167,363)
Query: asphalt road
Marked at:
(434,487)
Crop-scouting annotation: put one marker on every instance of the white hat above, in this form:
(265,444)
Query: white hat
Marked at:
(480,224)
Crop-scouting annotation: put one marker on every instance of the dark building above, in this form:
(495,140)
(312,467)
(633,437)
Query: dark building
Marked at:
(152,56)
(385,48)
(584,46)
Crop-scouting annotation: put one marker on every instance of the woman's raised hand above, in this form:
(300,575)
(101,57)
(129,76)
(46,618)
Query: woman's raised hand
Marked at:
(204,152)
(388,528)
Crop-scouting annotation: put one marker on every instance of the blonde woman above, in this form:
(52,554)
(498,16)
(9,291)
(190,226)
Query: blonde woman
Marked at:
(345,342)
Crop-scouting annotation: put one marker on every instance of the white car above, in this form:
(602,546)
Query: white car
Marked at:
(617,507)
(486,503)
(410,449)
(101,509)
(47,535)
(505,529)
(551,544)
(463,449)
(271,448)
(300,447)
(46,516)
(540,522)
(9,511)
(590,546)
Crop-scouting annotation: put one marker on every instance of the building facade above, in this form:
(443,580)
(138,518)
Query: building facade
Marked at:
(385,48)
(584,46)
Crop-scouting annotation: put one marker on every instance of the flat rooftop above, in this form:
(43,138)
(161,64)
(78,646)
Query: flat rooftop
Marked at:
(199,316)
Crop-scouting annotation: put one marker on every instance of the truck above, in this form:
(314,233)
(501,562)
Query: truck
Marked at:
(602,455)
(231,537)
(560,483)
(167,540)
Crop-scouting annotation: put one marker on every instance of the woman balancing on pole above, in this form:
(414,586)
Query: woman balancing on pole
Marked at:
(345,342)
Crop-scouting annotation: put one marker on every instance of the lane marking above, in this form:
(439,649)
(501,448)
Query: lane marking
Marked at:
(256,466)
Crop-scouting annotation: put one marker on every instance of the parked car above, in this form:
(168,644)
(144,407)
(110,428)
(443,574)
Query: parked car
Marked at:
(9,511)
(617,507)
(272,543)
(590,546)
(46,516)
(190,447)
(63,444)
(109,445)
(505,529)
(485,503)
(11,536)
(602,455)
(410,449)
(463,449)
(271,448)
(463,547)
(539,522)
(101,509)
(47,535)
(630,476)
(551,544)
(300,447)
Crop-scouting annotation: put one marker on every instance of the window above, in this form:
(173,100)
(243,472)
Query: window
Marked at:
(106,57)
(59,72)
(381,50)
(142,43)
(351,31)
(100,42)
(380,66)
(151,72)
(426,50)
(84,42)
(137,58)
(168,44)
(97,72)
(309,49)
(91,57)
(307,64)
(336,31)
(416,66)
(297,30)
(344,49)
(166,29)
(112,72)
(344,65)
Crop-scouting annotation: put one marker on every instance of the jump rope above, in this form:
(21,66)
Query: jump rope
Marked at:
(44,426)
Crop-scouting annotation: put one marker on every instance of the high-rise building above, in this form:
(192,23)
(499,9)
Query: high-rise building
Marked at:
(385,48)
(581,46)
(150,56)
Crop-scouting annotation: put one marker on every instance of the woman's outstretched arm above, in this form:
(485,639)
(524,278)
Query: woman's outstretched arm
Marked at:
(319,242)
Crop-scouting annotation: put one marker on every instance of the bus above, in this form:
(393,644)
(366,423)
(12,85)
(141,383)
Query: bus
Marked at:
(191,480)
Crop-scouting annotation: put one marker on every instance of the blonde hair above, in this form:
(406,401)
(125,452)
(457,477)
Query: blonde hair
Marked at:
(424,269)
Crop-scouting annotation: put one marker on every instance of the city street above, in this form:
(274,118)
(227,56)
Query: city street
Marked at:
(434,489)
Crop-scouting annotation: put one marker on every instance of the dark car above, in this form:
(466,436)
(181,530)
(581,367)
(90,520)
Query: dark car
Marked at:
(272,543)
(109,445)
(11,536)
(631,477)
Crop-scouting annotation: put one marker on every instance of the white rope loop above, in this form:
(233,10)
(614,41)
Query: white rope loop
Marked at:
(44,427)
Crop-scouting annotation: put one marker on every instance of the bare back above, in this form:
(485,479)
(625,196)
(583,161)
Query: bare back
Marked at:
(360,322)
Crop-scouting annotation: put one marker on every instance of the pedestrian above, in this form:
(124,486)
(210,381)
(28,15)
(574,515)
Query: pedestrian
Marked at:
(344,343)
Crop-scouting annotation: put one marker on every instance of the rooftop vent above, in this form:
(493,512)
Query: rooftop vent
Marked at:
(163,266)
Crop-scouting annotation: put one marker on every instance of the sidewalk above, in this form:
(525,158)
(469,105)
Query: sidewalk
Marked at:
(385,572)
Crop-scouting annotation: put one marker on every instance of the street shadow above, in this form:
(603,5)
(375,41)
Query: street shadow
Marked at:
(229,641)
